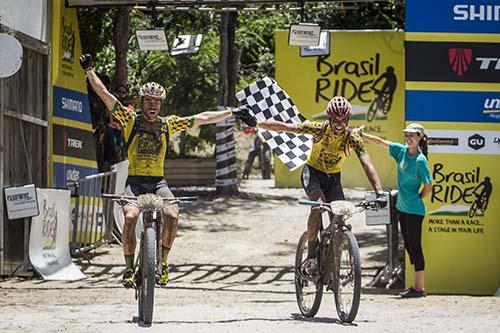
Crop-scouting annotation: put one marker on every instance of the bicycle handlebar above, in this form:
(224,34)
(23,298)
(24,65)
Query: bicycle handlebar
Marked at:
(131,197)
(341,206)
(150,202)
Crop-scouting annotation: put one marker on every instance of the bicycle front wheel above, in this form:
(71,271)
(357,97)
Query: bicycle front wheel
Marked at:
(308,292)
(147,276)
(347,287)
(372,110)
(473,209)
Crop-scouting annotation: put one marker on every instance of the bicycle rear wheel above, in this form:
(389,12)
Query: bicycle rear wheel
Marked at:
(347,287)
(308,293)
(147,275)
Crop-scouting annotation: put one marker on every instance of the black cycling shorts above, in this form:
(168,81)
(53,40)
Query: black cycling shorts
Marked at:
(328,183)
(137,185)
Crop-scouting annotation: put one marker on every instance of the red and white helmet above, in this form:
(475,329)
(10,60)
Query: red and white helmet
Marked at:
(152,89)
(339,108)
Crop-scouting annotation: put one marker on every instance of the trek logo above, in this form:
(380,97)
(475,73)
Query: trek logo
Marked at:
(476,13)
(74,143)
(476,141)
(71,143)
(489,63)
(459,59)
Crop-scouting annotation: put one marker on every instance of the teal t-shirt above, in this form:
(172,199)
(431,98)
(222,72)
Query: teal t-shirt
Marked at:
(413,170)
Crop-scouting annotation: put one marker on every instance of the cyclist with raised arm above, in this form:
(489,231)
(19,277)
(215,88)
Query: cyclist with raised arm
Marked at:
(147,139)
(333,141)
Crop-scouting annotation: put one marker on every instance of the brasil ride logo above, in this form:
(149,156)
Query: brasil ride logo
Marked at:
(461,193)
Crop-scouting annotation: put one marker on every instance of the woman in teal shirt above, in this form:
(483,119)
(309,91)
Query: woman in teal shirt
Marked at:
(413,171)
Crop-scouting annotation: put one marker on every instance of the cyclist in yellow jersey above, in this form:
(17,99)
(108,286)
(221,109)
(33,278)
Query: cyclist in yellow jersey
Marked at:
(147,139)
(332,144)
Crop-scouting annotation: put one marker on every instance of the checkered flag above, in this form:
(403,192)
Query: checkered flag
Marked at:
(267,100)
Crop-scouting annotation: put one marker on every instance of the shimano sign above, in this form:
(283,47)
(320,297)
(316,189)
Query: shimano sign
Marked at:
(454,16)
(476,12)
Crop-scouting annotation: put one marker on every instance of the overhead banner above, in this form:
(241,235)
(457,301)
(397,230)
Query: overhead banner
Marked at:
(73,146)
(365,67)
(49,244)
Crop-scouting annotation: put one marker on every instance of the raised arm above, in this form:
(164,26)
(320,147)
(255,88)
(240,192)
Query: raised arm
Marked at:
(100,89)
(278,126)
(376,140)
(210,117)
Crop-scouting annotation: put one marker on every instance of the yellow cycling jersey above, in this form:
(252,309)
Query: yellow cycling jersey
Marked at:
(329,153)
(148,148)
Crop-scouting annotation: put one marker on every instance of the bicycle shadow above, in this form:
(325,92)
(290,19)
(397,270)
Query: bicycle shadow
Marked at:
(325,320)
(293,317)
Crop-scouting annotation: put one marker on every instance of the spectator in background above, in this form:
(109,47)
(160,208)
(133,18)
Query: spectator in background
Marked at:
(121,93)
(99,121)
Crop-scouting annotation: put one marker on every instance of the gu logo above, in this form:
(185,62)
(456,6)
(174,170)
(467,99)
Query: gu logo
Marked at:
(459,60)
(476,141)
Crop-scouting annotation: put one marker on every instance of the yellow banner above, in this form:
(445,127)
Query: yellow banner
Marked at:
(66,49)
(460,234)
(365,67)
(72,140)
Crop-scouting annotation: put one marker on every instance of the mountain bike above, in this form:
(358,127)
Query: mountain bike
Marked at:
(148,263)
(339,262)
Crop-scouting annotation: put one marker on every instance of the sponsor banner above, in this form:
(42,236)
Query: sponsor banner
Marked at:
(464,142)
(66,49)
(65,172)
(474,16)
(71,104)
(365,67)
(151,40)
(453,106)
(21,202)
(226,122)
(73,142)
(48,245)
(452,62)
(226,182)
(462,215)
(226,170)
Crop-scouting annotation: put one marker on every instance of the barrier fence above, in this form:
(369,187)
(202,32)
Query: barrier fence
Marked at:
(92,215)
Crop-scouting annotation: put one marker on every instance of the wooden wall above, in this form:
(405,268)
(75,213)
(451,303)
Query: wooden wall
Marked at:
(25,140)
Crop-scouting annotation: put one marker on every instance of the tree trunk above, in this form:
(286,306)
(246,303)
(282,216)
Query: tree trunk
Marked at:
(226,177)
(121,34)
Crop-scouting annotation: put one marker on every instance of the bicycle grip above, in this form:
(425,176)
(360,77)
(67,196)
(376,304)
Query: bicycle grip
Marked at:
(307,202)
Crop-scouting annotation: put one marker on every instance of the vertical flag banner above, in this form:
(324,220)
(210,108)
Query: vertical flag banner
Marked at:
(365,67)
(73,151)
(453,89)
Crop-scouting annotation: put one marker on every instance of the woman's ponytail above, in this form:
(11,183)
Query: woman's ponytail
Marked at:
(423,145)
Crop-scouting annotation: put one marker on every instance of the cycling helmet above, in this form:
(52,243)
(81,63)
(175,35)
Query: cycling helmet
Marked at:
(152,89)
(339,108)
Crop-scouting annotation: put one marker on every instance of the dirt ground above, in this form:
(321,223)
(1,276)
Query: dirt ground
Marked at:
(232,271)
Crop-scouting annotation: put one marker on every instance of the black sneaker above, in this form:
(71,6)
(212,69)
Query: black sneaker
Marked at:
(412,293)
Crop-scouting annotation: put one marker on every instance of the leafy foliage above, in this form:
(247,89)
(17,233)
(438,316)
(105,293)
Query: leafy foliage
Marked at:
(191,81)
